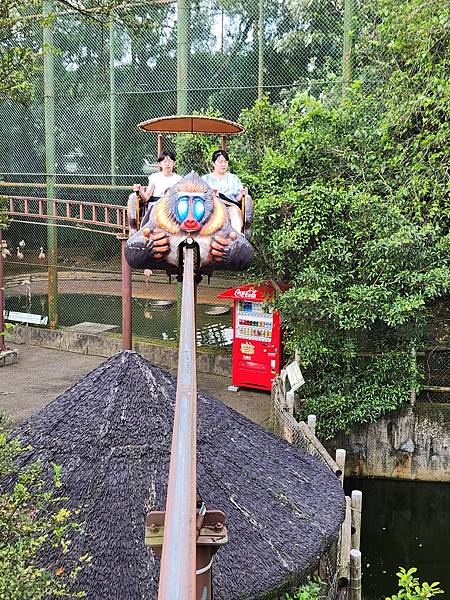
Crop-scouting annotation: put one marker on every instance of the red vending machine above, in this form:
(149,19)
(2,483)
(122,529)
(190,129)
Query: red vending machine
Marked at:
(256,354)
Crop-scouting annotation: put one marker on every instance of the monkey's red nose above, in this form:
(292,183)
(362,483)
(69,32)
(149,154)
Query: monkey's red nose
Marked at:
(190,225)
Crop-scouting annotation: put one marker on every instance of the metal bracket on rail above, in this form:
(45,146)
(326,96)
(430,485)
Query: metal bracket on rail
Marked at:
(189,243)
(212,533)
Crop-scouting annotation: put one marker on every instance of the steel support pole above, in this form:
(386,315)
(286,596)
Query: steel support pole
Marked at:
(204,569)
(49,110)
(2,302)
(127,294)
(178,561)
(159,143)
(260,48)
(112,101)
(347,46)
(183,50)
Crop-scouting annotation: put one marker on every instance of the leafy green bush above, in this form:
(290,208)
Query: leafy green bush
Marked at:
(411,589)
(351,210)
(311,590)
(33,520)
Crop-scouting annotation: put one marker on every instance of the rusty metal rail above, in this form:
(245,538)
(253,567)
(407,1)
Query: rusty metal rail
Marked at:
(178,561)
(112,216)
(74,186)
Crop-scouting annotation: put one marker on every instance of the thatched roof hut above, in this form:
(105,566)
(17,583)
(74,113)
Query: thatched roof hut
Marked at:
(111,433)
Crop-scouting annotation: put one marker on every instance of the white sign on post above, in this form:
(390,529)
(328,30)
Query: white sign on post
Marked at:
(294,375)
(21,317)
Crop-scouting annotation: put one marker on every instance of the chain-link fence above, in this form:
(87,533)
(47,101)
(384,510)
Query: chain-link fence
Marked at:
(154,59)
(434,364)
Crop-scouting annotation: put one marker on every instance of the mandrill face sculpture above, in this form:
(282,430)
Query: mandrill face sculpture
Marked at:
(190,208)
(190,212)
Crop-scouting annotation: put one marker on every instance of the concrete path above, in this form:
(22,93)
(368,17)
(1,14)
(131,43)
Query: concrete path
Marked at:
(42,374)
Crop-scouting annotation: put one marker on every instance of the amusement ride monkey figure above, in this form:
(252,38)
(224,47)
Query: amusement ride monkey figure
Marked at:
(191,208)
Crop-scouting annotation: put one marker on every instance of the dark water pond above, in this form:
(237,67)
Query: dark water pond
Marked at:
(404,523)
(149,319)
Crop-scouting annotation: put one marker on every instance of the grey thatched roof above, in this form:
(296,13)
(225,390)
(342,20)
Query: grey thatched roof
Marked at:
(111,433)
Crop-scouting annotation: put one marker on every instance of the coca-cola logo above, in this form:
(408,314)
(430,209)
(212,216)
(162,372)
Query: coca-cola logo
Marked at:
(247,294)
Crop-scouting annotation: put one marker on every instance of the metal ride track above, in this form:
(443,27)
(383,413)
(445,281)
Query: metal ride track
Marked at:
(184,537)
(178,561)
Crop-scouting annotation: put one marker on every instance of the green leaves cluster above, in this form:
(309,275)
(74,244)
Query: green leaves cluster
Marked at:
(310,590)
(33,521)
(410,587)
(352,211)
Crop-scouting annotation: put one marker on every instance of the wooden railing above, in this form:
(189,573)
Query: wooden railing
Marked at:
(110,216)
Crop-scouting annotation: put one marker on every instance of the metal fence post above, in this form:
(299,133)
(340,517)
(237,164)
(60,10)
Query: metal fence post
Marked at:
(112,101)
(183,46)
(2,321)
(260,48)
(413,393)
(127,294)
(49,109)
(347,46)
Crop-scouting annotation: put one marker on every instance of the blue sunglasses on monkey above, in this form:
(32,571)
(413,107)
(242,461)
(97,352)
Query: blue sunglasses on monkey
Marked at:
(190,210)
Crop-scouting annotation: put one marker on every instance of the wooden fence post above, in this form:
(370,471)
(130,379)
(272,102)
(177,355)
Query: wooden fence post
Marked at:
(340,461)
(289,402)
(344,547)
(356,518)
(312,423)
(355,574)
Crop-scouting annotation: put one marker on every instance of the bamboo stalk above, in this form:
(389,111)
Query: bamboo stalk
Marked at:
(314,442)
(355,574)
(340,461)
(356,518)
(344,547)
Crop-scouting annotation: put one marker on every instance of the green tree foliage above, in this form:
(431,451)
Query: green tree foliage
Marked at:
(33,521)
(21,48)
(410,587)
(412,52)
(352,212)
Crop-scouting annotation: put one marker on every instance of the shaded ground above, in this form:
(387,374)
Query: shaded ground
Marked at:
(42,374)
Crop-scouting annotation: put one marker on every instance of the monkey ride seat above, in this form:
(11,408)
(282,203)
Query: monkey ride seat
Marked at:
(190,209)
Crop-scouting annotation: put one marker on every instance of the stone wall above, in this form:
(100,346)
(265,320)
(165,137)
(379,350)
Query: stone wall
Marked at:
(411,443)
